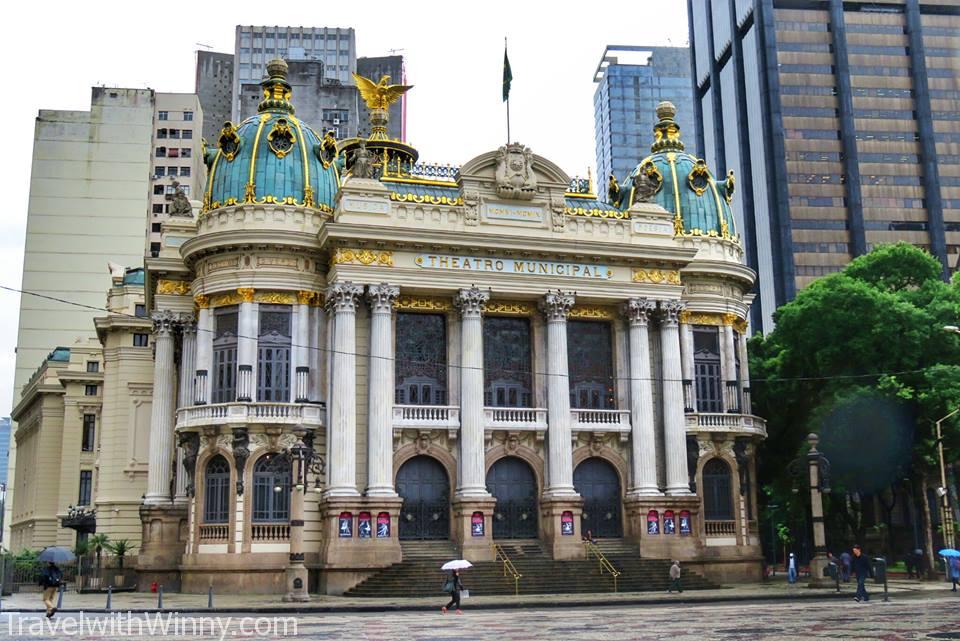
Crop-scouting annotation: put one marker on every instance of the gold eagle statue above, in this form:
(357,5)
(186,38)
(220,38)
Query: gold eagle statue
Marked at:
(379,95)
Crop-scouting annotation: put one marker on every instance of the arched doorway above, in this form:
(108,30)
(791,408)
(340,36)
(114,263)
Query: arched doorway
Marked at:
(513,484)
(423,484)
(597,482)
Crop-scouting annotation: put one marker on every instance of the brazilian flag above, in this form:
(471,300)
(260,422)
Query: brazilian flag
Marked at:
(507,75)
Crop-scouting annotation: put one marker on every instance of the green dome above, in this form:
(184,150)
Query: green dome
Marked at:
(680,183)
(272,157)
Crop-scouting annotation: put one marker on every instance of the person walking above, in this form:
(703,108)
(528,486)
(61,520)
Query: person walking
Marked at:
(792,569)
(845,566)
(860,565)
(50,579)
(675,578)
(453,586)
(954,564)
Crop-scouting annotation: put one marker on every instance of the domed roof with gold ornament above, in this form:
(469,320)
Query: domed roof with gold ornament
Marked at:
(680,183)
(272,157)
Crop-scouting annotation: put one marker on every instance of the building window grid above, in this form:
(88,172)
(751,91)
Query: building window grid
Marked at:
(225,355)
(88,437)
(86,488)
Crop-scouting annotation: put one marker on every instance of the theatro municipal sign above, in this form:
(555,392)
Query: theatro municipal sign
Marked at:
(513,266)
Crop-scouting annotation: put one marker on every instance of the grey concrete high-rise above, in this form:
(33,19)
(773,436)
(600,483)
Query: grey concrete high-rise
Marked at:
(842,122)
(374,68)
(214,87)
(631,80)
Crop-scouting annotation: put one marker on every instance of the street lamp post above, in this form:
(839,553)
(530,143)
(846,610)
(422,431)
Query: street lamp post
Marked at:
(944,492)
(818,478)
(305,460)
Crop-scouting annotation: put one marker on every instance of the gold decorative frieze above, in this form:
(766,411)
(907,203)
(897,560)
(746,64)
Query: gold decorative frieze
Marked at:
(202,301)
(225,299)
(509,308)
(426,199)
(275,298)
(173,287)
(250,295)
(715,319)
(656,276)
(423,304)
(344,256)
(592,312)
(246,294)
(594,212)
(306,297)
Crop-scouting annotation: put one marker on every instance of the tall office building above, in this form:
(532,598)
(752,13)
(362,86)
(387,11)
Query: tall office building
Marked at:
(176,160)
(374,68)
(336,48)
(631,80)
(4,447)
(842,121)
(214,88)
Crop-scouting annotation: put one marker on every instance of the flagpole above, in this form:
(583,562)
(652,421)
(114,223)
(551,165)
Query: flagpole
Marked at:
(508,95)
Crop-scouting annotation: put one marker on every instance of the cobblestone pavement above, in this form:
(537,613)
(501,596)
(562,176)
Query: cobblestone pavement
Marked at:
(929,617)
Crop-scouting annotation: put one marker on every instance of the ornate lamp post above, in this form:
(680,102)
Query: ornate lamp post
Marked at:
(817,469)
(305,461)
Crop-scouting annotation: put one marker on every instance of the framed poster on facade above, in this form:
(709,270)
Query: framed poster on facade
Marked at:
(383,525)
(566,524)
(364,527)
(476,524)
(345,526)
(669,522)
(685,527)
(653,522)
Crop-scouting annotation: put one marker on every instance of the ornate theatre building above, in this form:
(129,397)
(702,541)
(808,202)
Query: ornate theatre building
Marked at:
(354,349)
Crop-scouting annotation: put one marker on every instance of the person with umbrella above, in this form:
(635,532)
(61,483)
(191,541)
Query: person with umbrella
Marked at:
(952,559)
(52,577)
(453,585)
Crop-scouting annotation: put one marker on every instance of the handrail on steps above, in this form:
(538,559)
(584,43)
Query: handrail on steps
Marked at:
(605,563)
(501,555)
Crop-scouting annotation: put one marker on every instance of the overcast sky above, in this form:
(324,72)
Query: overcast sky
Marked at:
(454,53)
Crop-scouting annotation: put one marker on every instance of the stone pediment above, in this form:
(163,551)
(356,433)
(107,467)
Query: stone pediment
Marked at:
(513,172)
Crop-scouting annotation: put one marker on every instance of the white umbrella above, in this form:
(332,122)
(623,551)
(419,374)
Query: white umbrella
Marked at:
(459,564)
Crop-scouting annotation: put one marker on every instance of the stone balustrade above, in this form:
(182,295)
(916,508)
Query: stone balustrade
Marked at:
(197,416)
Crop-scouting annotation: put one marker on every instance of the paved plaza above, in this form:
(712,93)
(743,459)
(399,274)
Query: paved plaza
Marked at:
(917,616)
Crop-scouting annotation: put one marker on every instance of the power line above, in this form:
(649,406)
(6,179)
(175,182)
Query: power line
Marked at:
(446,364)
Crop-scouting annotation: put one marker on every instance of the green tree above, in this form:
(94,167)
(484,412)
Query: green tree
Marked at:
(98,543)
(861,357)
(120,548)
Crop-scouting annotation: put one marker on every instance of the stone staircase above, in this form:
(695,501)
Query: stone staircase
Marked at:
(419,573)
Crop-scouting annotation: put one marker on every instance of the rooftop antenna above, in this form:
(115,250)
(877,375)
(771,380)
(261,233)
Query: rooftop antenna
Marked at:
(395,51)
(200,44)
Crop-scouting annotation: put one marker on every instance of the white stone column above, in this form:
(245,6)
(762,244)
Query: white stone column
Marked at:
(188,367)
(674,427)
(729,369)
(643,454)
(687,366)
(204,376)
(248,323)
(380,391)
(745,376)
(163,410)
(555,307)
(472,481)
(317,356)
(300,390)
(342,431)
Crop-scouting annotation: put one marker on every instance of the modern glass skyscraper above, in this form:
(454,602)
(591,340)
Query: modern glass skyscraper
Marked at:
(842,121)
(631,80)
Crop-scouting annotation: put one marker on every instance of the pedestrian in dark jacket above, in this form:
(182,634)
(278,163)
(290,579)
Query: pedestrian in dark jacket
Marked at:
(953,564)
(860,565)
(845,559)
(50,579)
(453,586)
(675,578)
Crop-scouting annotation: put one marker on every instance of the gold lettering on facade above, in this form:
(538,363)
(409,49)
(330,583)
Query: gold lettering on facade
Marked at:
(514,266)
(344,256)
(656,276)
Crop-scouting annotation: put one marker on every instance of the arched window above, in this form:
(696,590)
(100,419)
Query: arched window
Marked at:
(717,493)
(271,488)
(216,491)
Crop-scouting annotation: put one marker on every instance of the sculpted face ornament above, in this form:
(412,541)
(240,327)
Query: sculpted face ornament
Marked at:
(515,177)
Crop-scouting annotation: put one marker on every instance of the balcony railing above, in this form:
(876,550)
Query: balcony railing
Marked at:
(717,422)
(601,420)
(720,528)
(214,532)
(518,418)
(269,532)
(441,416)
(309,415)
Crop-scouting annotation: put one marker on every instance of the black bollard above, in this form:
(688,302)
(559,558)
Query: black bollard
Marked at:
(60,592)
(210,597)
(160,597)
(109,598)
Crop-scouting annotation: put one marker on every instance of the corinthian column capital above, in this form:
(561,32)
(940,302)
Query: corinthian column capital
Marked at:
(381,297)
(165,323)
(556,305)
(670,311)
(342,297)
(470,301)
(639,310)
